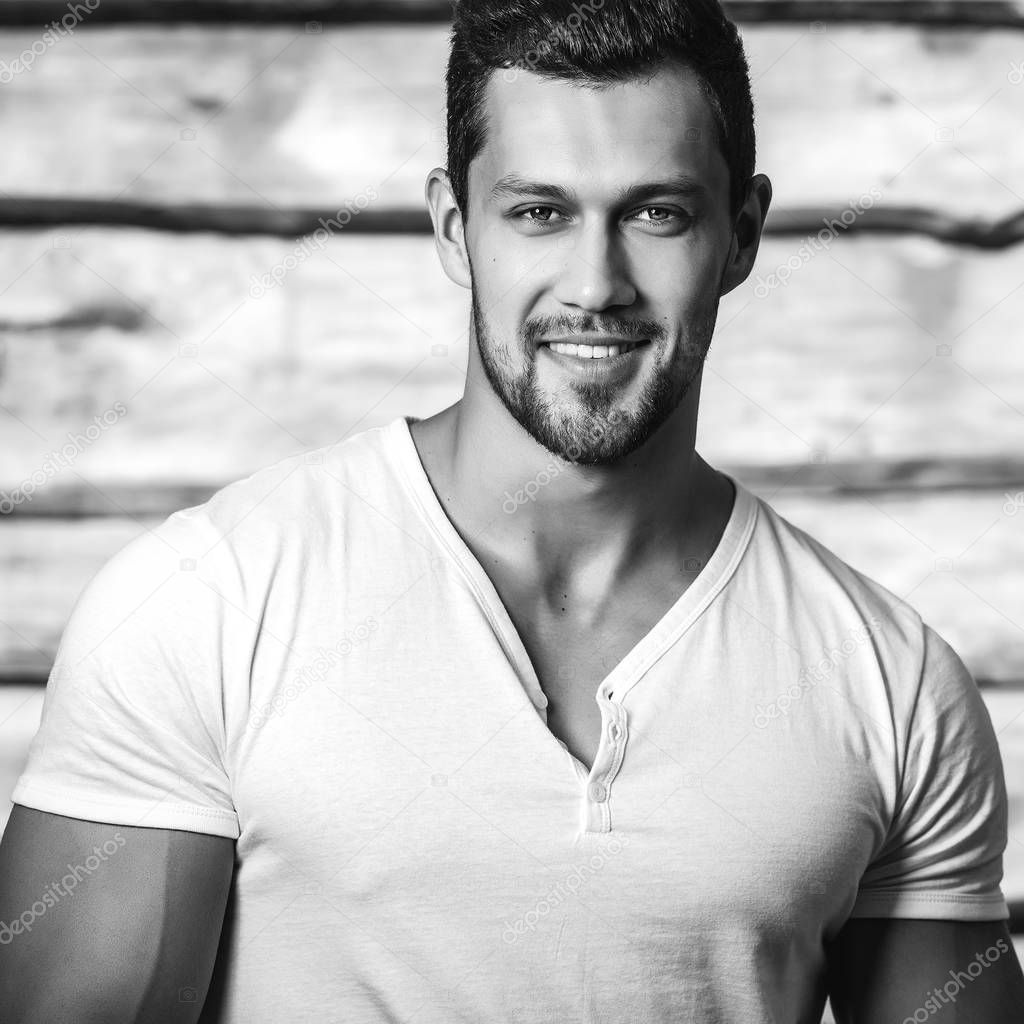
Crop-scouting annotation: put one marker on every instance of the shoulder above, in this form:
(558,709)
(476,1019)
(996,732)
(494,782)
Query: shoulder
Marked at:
(871,645)
(819,586)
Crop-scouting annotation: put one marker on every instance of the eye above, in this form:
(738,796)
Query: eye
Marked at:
(666,214)
(534,209)
(659,216)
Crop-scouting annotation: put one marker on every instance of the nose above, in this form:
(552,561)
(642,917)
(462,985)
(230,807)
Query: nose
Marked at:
(595,274)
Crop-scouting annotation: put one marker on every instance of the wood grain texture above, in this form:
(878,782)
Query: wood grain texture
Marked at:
(284,120)
(877,353)
(75,498)
(955,557)
(236,219)
(988,13)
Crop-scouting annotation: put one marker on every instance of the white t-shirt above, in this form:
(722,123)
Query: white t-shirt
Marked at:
(313,662)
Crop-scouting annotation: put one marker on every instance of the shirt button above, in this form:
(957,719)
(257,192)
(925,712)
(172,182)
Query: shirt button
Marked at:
(614,732)
(598,792)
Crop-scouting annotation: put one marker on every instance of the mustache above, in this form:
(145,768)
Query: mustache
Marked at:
(538,327)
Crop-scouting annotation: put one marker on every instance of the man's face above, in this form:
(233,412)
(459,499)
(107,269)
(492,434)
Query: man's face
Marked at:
(558,249)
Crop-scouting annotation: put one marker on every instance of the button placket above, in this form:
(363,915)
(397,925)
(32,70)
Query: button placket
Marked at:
(597,793)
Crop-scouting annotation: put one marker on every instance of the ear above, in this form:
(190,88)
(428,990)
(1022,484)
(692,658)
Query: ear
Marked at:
(449,230)
(747,230)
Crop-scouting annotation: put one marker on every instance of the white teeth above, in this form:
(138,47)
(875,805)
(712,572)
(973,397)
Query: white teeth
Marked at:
(590,351)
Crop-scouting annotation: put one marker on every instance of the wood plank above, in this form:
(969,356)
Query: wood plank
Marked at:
(235,219)
(285,120)
(989,13)
(254,12)
(891,356)
(73,500)
(172,333)
(955,556)
(239,219)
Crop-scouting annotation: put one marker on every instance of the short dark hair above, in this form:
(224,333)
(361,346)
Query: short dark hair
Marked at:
(597,43)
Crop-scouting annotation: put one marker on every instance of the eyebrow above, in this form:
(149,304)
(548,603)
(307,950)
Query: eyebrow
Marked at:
(511,186)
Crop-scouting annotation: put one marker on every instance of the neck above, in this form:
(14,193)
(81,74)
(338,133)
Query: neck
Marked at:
(558,521)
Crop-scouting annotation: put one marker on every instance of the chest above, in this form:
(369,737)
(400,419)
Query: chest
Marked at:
(569,672)
(571,658)
(389,765)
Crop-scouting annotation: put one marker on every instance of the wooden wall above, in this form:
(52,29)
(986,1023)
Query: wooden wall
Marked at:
(161,158)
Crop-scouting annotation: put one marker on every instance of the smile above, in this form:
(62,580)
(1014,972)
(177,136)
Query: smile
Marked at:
(593,351)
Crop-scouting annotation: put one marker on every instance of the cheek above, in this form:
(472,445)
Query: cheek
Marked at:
(681,273)
(684,304)
(504,258)
(509,291)
(502,312)
(507,309)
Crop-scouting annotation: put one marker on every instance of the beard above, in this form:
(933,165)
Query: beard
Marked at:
(585,422)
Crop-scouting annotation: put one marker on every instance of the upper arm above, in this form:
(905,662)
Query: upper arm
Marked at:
(104,923)
(942,853)
(886,969)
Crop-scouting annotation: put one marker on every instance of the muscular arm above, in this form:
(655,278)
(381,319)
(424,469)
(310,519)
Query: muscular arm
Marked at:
(130,936)
(885,969)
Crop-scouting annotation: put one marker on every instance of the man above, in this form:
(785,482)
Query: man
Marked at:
(522,712)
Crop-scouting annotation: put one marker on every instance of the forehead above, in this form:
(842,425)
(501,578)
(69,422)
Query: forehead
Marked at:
(562,132)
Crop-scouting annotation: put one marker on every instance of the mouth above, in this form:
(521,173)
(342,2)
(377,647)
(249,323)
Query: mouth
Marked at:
(593,350)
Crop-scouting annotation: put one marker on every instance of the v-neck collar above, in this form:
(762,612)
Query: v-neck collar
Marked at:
(679,617)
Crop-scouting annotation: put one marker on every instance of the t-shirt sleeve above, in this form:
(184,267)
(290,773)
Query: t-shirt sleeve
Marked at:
(943,855)
(132,729)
